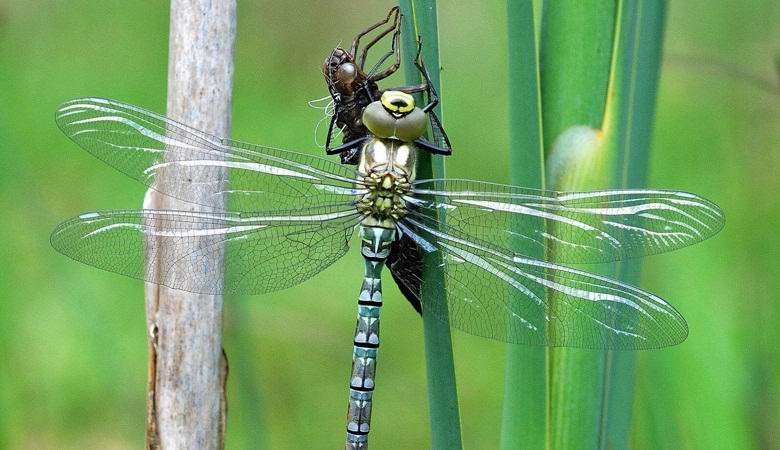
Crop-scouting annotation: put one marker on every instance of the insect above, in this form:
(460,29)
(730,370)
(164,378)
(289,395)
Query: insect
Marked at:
(292,215)
(353,87)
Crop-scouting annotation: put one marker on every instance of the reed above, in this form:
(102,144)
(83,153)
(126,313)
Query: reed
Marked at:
(420,19)
(576,48)
(524,419)
(597,66)
(600,121)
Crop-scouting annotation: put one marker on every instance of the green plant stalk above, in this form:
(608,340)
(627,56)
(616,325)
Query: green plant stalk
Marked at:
(635,84)
(420,20)
(591,392)
(577,41)
(524,418)
(576,45)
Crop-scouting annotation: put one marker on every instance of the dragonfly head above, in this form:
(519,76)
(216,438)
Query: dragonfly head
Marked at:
(395,116)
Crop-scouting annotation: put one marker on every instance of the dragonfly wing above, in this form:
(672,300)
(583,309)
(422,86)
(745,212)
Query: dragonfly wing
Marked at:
(406,266)
(260,253)
(438,136)
(571,227)
(198,166)
(484,291)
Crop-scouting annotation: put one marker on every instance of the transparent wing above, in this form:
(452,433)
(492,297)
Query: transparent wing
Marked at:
(484,291)
(260,253)
(406,266)
(571,227)
(438,136)
(198,166)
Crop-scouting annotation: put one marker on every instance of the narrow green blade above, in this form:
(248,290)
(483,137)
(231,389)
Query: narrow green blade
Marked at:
(420,19)
(602,141)
(577,41)
(636,66)
(524,417)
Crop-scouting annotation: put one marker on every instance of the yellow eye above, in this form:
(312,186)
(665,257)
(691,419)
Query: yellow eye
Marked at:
(397,103)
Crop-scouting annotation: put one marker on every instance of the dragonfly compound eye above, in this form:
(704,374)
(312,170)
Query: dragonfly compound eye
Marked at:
(383,123)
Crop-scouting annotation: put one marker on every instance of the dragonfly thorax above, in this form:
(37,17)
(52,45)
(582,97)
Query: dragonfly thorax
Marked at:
(388,168)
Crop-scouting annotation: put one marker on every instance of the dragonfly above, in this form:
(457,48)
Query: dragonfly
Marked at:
(290,215)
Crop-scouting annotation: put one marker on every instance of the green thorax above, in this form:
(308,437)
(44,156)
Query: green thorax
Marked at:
(388,158)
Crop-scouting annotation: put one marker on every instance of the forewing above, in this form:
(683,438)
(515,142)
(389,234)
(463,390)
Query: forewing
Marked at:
(198,166)
(260,253)
(484,291)
(570,227)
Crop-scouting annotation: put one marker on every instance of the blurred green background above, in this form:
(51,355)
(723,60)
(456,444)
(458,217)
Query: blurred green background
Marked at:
(72,339)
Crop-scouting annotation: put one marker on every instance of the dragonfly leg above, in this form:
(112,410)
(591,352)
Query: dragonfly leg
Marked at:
(433,148)
(346,146)
(375,247)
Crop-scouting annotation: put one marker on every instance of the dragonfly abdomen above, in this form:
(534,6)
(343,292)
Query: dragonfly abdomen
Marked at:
(375,248)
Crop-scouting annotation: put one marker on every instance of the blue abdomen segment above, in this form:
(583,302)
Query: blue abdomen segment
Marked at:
(375,247)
